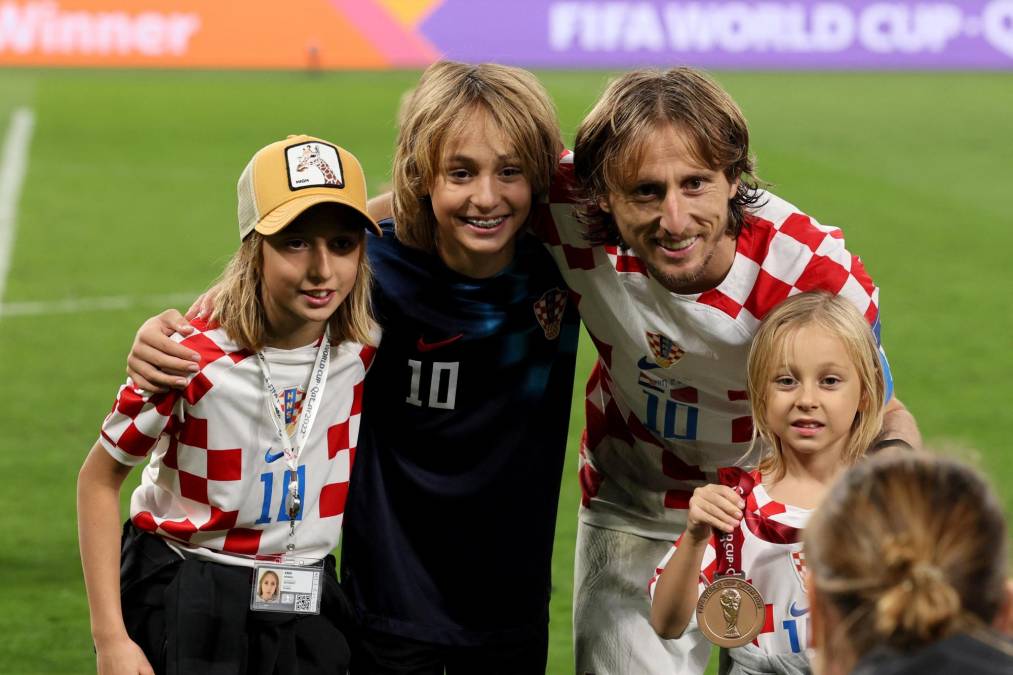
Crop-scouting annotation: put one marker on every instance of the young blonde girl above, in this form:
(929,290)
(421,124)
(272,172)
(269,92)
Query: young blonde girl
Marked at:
(250,461)
(817,392)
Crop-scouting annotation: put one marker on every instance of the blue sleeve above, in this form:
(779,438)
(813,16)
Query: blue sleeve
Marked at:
(887,375)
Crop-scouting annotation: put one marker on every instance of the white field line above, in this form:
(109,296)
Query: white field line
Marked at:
(180,301)
(13,164)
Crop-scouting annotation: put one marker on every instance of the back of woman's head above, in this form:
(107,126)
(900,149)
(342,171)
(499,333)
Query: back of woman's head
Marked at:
(906,549)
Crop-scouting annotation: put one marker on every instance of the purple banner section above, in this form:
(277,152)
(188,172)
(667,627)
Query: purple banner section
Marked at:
(862,34)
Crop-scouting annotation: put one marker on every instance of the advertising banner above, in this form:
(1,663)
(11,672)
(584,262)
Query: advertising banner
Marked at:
(864,34)
(373,34)
(261,34)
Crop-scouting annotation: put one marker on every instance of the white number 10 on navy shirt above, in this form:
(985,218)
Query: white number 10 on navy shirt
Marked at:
(442,381)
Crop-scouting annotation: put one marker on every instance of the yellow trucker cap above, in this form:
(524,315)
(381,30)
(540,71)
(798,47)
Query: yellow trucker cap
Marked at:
(287,177)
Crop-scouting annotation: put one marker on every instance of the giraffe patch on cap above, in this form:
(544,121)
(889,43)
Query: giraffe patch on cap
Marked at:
(313,164)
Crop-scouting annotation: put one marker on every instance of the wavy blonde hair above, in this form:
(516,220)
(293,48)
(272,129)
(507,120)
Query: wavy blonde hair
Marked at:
(907,548)
(770,351)
(240,310)
(449,97)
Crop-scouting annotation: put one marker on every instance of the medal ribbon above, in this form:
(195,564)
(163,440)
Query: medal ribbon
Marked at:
(767,529)
(729,546)
(317,383)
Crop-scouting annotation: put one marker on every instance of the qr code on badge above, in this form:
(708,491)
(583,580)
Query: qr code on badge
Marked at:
(303,602)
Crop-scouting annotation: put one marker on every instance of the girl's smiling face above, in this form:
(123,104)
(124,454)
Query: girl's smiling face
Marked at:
(308,270)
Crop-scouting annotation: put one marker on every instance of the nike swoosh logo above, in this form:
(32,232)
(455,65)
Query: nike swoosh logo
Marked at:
(271,458)
(424,346)
(797,612)
(644,364)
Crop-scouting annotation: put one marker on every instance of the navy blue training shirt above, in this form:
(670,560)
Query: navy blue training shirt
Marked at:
(449,526)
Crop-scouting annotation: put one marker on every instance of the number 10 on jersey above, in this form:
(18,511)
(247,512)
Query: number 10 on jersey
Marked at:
(268,480)
(442,384)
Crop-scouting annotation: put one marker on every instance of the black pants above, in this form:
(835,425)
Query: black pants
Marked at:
(192,616)
(379,653)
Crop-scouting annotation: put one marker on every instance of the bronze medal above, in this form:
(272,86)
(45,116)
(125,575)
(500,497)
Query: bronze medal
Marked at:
(730,611)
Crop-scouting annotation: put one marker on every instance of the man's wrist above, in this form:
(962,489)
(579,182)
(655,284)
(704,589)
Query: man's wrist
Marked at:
(883,444)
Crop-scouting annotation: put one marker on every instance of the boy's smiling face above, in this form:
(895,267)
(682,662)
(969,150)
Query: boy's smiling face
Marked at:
(481,199)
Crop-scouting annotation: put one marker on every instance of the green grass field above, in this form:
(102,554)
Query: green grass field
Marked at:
(130,194)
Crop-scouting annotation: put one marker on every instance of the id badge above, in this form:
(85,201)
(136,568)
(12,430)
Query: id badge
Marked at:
(294,587)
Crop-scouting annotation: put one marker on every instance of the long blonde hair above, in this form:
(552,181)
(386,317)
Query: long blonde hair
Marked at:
(770,349)
(907,548)
(447,99)
(240,310)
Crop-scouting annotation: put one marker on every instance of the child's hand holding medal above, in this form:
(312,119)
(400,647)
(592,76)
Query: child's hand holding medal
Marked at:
(730,611)
(713,509)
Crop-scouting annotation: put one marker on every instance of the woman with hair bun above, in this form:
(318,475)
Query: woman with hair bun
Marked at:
(919,584)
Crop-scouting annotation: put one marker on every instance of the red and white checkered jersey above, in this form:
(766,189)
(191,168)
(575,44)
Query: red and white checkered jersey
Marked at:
(666,402)
(216,480)
(774,563)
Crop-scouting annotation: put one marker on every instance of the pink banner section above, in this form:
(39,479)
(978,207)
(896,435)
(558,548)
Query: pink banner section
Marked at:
(402,46)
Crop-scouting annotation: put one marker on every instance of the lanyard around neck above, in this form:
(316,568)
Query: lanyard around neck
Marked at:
(292,447)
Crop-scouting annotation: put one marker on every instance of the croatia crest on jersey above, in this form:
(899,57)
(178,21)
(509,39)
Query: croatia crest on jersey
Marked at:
(666,352)
(291,404)
(798,564)
(549,311)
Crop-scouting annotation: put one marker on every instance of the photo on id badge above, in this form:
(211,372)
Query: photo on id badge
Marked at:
(286,588)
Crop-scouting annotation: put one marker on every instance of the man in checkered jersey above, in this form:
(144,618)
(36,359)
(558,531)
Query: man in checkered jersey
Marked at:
(674,255)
